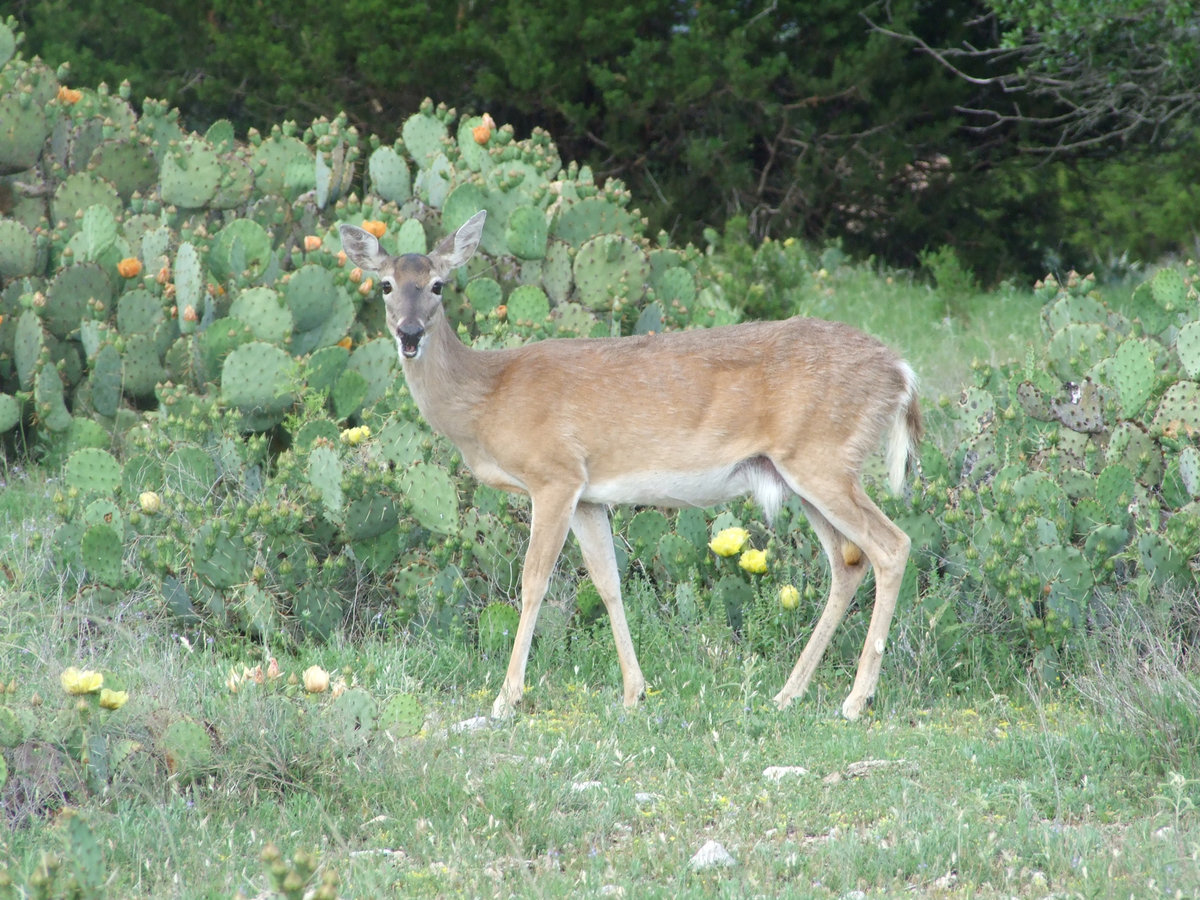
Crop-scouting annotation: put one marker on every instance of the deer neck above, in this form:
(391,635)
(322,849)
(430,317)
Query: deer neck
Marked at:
(448,381)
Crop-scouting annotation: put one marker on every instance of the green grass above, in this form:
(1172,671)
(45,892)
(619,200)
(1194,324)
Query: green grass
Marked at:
(1007,789)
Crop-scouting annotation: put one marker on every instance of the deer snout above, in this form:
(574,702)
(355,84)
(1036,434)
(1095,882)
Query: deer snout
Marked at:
(409,335)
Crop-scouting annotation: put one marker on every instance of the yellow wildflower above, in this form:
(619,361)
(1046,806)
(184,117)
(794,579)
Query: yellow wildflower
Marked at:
(754,561)
(113,699)
(74,681)
(789,597)
(729,541)
(356,435)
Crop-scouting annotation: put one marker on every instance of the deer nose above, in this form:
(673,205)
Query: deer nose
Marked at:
(409,335)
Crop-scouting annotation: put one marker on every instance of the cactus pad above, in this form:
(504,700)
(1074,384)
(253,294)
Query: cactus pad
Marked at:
(402,716)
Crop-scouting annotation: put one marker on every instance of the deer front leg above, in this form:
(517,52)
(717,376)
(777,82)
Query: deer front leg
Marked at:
(551,518)
(592,530)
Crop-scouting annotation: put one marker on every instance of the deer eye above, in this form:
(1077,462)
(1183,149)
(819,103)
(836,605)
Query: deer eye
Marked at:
(386,287)
(436,287)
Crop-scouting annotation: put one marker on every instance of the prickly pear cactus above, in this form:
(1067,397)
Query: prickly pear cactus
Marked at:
(402,716)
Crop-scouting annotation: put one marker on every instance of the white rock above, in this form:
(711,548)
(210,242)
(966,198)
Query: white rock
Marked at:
(478,723)
(710,856)
(778,773)
(644,797)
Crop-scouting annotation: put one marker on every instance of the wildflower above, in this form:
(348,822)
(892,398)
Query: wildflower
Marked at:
(729,541)
(234,681)
(374,226)
(356,435)
(789,597)
(316,680)
(74,681)
(273,669)
(754,561)
(113,699)
(129,267)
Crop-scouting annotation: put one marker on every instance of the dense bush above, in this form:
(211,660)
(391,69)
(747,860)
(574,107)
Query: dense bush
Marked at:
(796,115)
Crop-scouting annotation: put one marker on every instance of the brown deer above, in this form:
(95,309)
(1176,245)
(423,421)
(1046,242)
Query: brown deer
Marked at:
(692,418)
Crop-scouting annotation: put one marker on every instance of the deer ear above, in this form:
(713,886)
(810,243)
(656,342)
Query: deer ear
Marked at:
(362,248)
(459,247)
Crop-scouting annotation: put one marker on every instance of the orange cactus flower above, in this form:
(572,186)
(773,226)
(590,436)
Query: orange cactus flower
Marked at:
(311,243)
(356,275)
(482,134)
(129,267)
(189,314)
(365,287)
(346,342)
(68,95)
(374,226)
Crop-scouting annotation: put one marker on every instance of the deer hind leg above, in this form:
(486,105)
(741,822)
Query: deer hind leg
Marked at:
(851,522)
(592,530)
(846,569)
(552,513)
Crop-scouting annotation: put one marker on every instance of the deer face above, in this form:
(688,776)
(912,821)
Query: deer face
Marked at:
(412,293)
(412,283)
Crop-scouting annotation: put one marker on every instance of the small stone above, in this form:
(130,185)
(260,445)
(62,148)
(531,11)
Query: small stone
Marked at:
(778,773)
(710,856)
(476,723)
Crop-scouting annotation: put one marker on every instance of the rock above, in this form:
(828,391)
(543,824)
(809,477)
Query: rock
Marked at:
(710,856)
(778,773)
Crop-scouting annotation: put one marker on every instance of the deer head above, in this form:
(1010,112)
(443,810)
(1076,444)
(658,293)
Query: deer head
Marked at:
(412,283)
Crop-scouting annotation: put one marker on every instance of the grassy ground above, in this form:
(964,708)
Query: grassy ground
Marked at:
(973,781)
(963,790)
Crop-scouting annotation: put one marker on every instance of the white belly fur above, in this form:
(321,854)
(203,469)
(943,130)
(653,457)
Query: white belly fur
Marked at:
(707,487)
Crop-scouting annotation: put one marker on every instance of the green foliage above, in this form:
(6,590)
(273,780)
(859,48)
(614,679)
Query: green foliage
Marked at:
(796,115)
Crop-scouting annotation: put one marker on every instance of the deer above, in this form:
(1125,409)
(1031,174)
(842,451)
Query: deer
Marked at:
(685,418)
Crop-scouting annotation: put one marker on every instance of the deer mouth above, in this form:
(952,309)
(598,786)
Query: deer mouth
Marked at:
(409,339)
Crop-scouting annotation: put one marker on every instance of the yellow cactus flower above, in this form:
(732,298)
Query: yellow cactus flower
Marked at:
(789,597)
(316,680)
(150,502)
(113,699)
(754,561)
(76,681)
(356,435)
(729,541)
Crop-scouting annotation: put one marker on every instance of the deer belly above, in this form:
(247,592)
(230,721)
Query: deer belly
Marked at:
(701,487)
